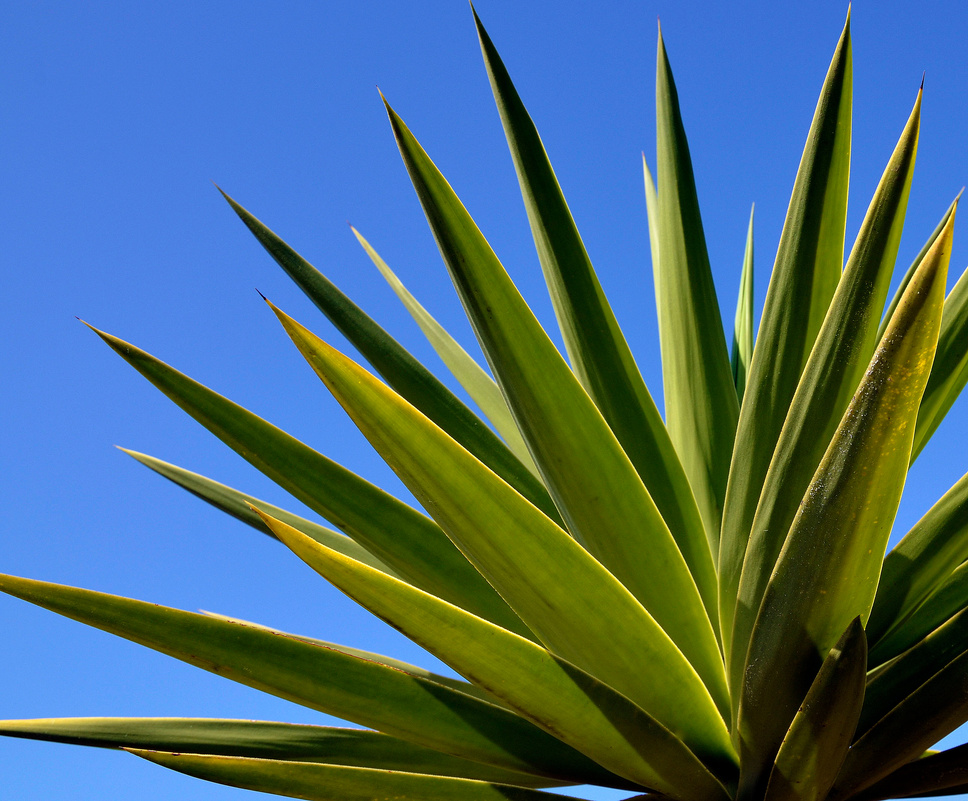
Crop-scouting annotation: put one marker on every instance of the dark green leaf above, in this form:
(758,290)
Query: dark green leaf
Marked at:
(944,773)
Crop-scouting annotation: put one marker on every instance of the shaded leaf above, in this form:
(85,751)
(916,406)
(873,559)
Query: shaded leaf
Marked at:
(805,275)
(700,396)
(944,773)
(596,347)
(411,543)
(262,740)
(554,694)
(366,693)
(828,570)
(552,583)
(398,368)
(601,497)
(816,744)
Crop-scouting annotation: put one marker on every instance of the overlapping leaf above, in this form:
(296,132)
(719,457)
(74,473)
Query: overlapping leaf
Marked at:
(601,497)
(742,350)
(806,272)
(828,570)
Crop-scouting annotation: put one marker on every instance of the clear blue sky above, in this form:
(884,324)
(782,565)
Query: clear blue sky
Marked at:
(119,116)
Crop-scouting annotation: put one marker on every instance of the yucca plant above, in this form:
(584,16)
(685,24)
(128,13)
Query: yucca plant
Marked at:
(696,608)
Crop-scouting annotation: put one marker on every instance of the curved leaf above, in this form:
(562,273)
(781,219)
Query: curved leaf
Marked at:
(472,377)
(700,396)
(828,570)
(328,782)
(807,269)
(916,566)
(400,370)
(596,347)
(366,693)
(552,583)
(816,744)
(944,773)
(601,497)
(411,543)
(838,360)
(551,692)
(742,350)
(239,505)
(262,740)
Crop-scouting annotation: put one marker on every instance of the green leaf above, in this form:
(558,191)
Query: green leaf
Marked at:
(839,358)
(574,605)
(398,368)
(327,782)
(596,347)
(239,505)
(472,377)
(743,325)
(904,675)
(807,269)
(950,597)
(816,744)
(262,740)
(548,690)
(932,711)
(917,565)
(364,692)
(944,773)
(949,373)
(700,396)
(828,570)
(409,542)
(601,497)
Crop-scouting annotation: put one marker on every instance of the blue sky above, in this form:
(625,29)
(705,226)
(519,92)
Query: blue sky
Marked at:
(118,118)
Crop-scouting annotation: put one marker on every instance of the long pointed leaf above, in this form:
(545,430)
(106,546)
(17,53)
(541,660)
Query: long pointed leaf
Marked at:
(839,358)
(805,275)
(412,544)
(398,368)
(949,373)
(554,694)
(742,350)
(328,782)
(552,583)
(944,773)
(596,347)
(700,396)
(483,390)
(601,497)
(816,745)
(828,570)
(239,505)
(917,565)
(262,740)
(364,692)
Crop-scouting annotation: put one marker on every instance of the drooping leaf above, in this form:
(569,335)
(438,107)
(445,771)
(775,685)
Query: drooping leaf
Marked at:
(742,350)
(552,583)
(472,377)
(944,773)
(551,692)
(700,396)
(363,692)
(596,347)
(806,272)
(600,495)
(398,368)
(316,782)
(828,570)
(816,744)
(949,373)
(839,358)
(239,505)
(263,740)
(411,543)
(916,566)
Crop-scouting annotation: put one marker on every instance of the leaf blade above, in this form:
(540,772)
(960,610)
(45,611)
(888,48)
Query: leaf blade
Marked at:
(742,350)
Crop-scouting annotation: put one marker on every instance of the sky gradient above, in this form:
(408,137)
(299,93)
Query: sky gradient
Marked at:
(119,118)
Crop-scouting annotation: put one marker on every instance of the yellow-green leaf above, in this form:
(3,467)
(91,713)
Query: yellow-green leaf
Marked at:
(742,350)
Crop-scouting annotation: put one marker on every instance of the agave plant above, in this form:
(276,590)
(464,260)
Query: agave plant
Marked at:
(695,608)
